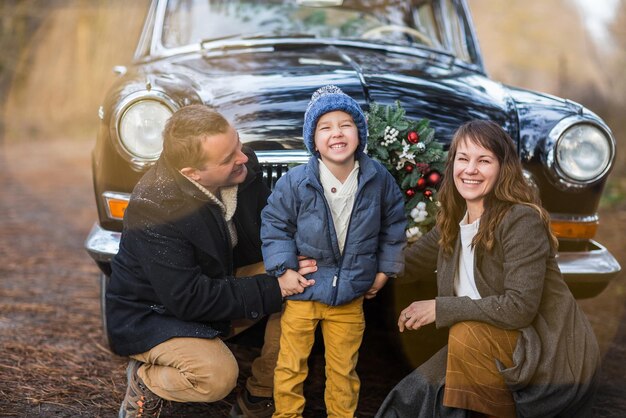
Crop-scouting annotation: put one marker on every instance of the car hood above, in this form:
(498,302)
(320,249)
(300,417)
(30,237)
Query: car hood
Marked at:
(265,93)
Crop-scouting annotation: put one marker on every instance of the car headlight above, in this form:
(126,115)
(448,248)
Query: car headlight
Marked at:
(583,152)
(139,120)
(141,126)
(580,151)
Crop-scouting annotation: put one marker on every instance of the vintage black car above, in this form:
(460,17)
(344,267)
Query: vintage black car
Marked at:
(258,63)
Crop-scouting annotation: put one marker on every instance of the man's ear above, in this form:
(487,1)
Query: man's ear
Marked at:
(190,172)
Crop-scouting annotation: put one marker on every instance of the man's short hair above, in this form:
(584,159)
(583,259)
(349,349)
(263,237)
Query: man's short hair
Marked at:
(184,132)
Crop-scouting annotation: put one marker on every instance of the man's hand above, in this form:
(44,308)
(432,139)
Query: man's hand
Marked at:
(292,282)
(379,282)
(417,314)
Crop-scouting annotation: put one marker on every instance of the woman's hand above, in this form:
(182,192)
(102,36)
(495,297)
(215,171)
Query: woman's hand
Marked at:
(417,314)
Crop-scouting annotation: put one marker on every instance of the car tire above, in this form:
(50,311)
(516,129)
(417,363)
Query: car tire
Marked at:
(104,283)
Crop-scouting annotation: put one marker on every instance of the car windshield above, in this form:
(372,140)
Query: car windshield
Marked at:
(398,23)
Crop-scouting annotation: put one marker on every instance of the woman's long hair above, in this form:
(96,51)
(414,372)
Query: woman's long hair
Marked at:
(510,188)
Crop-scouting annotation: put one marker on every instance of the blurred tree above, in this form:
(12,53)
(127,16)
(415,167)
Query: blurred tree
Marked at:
(525,46)
(19,21)
(63,69)
(618,31)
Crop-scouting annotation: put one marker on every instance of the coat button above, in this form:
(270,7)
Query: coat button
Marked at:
(254,314)
(333,190)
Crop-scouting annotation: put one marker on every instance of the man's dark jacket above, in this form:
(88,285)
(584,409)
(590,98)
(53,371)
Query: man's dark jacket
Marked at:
(173,274)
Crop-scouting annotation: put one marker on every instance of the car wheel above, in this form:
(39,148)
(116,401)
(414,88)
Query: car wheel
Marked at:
(104,283)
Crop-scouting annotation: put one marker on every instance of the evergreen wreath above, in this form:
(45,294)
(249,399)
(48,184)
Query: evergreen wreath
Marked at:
(408,149)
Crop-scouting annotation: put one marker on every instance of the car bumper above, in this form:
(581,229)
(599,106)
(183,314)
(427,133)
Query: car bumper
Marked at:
(102,244)
(588,271)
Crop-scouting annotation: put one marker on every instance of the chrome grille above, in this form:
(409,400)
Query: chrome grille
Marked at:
(272,172)
(276,163)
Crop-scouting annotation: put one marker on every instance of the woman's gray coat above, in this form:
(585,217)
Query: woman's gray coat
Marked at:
(556,358)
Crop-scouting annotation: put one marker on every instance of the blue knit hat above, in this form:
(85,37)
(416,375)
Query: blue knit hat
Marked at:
(328,99)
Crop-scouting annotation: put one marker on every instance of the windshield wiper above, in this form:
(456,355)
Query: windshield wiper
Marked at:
(216,43)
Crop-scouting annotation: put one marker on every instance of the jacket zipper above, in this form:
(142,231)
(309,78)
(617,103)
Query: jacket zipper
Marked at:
(339,260)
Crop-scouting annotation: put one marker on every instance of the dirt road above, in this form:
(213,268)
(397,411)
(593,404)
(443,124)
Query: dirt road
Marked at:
(52,362)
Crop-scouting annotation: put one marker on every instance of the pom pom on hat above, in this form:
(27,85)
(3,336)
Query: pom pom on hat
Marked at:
(329,99)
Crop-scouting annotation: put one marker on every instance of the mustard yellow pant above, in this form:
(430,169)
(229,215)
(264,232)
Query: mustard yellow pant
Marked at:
(342,329)
(473,381)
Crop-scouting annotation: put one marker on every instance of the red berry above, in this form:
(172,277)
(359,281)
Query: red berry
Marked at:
(421,183)
(410,192)
(428,193)
(408,168)
(413,137)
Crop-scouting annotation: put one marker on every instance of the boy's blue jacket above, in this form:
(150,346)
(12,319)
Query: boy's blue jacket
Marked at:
(298,221)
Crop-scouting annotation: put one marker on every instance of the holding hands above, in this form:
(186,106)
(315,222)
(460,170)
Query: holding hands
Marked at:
(292,282)
(417,314)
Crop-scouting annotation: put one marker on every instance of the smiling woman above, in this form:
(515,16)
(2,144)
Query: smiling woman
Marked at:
(513,322)
(475,172)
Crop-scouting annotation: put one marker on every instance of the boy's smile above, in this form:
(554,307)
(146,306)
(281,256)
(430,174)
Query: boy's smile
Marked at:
(336,139)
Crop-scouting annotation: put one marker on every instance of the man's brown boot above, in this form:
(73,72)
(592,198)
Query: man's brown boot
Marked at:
(139,401)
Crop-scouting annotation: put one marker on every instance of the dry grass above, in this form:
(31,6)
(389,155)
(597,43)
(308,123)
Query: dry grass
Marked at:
(70,381)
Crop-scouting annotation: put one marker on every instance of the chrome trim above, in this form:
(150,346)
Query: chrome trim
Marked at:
(561,217)
(598,261)
(292,157)
(138,164)
(276,163)
(530,179)
(143,48)
(156,46)
(101,244)
(469,20)
(555,174)
(119,70)
(114,195)
(250,44)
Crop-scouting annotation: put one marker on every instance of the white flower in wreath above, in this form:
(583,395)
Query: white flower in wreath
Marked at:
(413,233)
(405,152)
(390,136)
(419,213)
(405,156)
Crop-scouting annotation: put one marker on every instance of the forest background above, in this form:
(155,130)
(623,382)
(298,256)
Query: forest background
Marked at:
(56,60)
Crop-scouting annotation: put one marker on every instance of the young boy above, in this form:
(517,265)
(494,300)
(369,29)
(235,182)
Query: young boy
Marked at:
(344,210)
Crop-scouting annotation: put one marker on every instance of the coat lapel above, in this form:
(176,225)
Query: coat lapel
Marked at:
(447,270)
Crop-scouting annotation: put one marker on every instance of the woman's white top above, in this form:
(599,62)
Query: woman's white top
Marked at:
(464,284)
(340,198)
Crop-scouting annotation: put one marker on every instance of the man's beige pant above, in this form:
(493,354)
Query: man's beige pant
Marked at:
(205,370)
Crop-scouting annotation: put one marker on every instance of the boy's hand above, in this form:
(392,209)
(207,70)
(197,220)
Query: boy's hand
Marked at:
(379,283)
(291,283)
(306,265)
